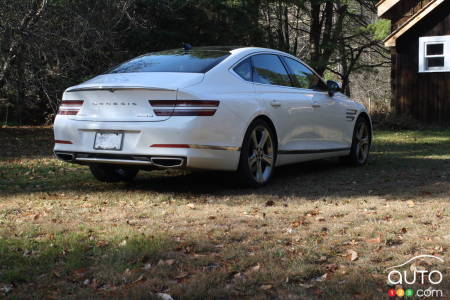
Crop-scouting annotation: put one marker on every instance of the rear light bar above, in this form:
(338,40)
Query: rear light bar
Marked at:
(178,107)
(70,107)
(185,112)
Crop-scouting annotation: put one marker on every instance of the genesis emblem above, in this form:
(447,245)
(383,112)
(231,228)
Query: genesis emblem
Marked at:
(114,103)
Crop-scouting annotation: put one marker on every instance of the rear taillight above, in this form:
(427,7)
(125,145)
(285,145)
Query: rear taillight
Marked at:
(70,107)
(184,107)
(63,142)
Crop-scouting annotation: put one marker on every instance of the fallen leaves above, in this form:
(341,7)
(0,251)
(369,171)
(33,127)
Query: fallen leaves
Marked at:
(266,287)
(167,262)
(312,213)
(270,203)
(6,289)
(182,275)
(298,223)
(376,240)
(320,278)
(352,254)
(164,296)
(255,268)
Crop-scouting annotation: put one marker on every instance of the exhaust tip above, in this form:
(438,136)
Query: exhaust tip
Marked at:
(167,162)
(68,157)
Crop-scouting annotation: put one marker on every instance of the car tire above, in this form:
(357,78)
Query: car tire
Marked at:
(258,154)
(113,173)
(361,143)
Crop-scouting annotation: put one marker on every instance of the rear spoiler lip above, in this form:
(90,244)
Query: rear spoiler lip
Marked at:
(114,88)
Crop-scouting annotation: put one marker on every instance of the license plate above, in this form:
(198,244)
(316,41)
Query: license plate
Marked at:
(108,141)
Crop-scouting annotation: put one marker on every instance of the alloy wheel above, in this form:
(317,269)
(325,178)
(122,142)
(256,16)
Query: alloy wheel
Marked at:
(261,154)
(362,142)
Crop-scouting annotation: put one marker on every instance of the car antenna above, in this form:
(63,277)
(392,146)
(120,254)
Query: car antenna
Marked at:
(187,47)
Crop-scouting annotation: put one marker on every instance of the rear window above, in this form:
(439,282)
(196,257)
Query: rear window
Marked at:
(177,61)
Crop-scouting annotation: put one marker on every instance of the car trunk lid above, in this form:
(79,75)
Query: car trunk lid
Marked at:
(126,97)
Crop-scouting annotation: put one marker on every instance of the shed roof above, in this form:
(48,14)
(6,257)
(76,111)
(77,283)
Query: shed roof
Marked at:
(390,41)
(385,5)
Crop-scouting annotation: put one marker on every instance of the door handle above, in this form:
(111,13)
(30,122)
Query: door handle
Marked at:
(275,103)
(315,105)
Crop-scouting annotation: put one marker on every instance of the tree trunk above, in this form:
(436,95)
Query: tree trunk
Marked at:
(28,20)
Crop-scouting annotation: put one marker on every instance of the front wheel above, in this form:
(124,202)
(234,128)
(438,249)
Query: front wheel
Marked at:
(113,173)
(258,154)
(362,138)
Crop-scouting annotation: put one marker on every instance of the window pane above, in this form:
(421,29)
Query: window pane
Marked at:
(435,62)
(244,69)
(173,61)
(269,69)
(306,79)
(435,49)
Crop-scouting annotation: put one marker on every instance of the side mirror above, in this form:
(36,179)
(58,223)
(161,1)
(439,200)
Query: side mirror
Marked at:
(333,87)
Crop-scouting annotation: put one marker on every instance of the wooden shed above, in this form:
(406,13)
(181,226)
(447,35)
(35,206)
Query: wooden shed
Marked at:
(420,49)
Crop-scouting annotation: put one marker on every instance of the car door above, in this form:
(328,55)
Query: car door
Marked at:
(290,109)
(328,113)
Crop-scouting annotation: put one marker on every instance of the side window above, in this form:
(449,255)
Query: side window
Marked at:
(244,69)
(434,54)
(306,79)
(268,69)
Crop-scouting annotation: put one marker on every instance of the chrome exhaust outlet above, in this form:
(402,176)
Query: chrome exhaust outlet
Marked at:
(167,162)
(67,157)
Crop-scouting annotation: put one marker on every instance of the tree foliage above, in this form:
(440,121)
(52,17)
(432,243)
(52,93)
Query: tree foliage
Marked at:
(48,45)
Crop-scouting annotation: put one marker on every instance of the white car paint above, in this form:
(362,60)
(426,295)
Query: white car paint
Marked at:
(309,124)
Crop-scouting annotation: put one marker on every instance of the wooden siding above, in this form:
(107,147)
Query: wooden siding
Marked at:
(405,10)
(426,96)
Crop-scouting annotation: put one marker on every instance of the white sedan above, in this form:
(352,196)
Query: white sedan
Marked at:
(233,109)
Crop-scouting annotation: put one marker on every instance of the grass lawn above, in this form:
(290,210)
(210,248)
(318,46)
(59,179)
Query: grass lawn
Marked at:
(320,230)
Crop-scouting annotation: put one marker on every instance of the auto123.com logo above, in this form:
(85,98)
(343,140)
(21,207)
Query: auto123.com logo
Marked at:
(416,272)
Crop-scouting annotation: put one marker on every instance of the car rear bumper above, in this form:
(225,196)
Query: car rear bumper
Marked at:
(205,145)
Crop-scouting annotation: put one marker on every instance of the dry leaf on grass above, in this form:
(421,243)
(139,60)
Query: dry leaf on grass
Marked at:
(312,213)
(182,275)
(254,268)
(266,287)
(322,259)
(270,203)
(320,278)
(376,240)
(164,296)
(6,289)
(352,254)
(167,262)
(410,203)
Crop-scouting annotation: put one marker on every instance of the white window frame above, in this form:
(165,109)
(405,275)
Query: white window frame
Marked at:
(429,40)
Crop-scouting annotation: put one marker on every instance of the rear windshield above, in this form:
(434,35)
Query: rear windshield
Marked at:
(173,61)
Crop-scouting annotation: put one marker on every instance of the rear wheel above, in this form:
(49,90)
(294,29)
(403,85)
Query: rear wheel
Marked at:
(113,173)
(362,138)
(258,154)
